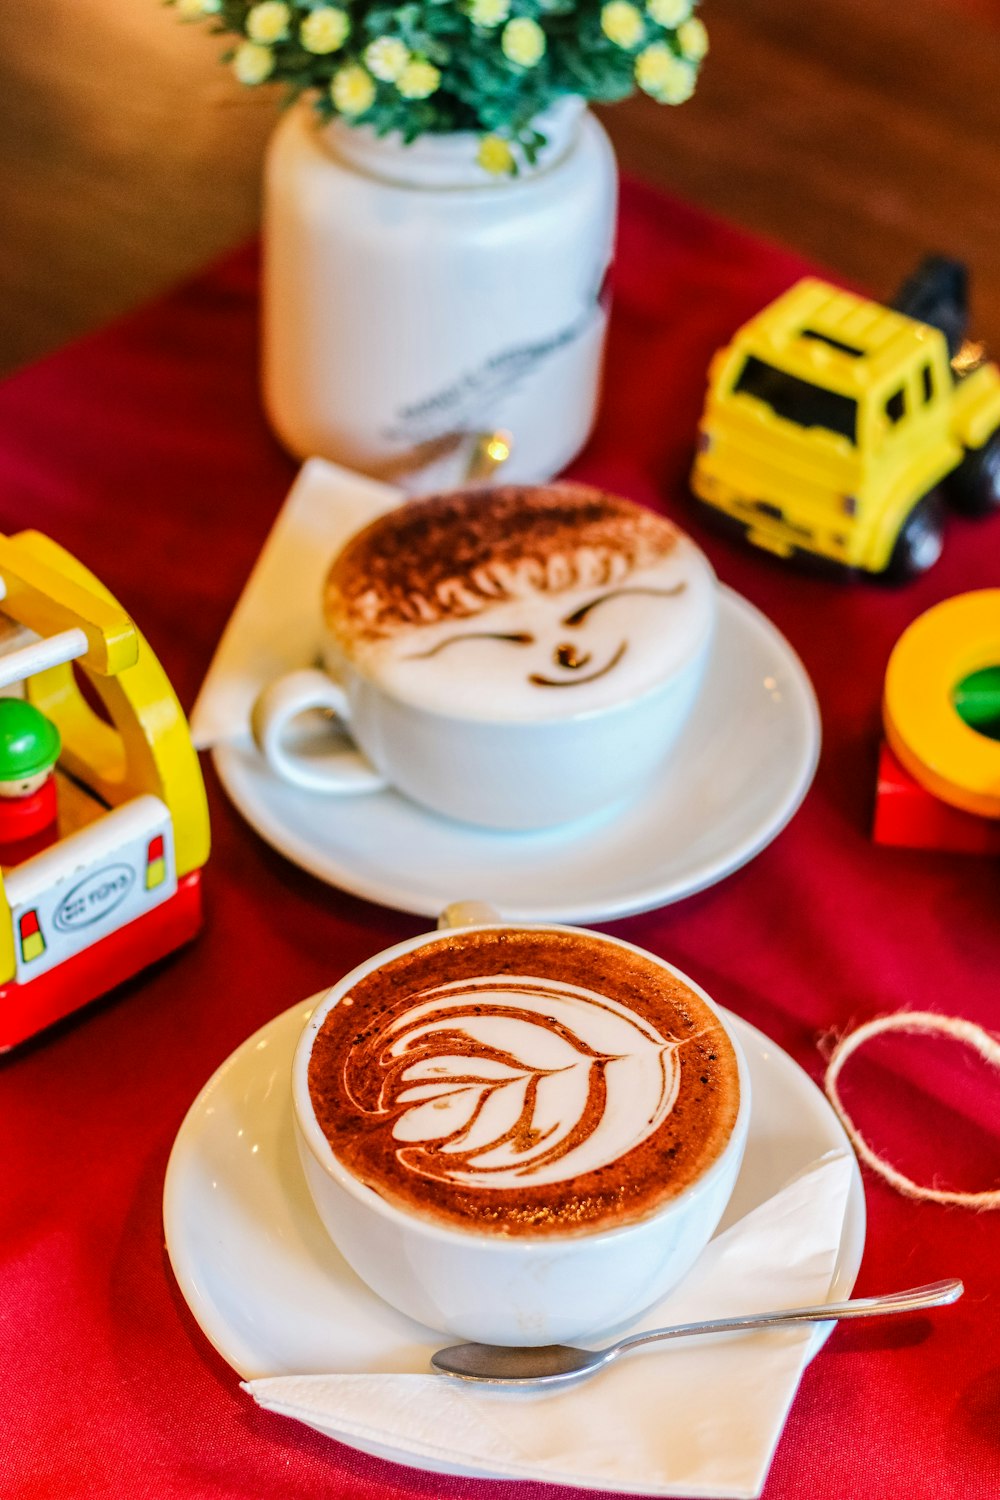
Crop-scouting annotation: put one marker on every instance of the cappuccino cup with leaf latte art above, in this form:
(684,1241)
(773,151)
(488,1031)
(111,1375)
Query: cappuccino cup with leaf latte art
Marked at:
(519,1134)
(515,658)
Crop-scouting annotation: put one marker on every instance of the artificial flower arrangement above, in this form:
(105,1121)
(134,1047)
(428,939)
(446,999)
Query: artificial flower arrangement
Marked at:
(419,67)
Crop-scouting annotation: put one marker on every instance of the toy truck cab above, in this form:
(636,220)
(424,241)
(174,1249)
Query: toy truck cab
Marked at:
(829,424)
(117,883)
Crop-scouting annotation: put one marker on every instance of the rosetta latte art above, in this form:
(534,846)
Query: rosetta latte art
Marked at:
(508,1081)
(524,1081)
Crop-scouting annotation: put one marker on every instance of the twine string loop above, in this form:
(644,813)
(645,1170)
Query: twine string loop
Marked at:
(930,1024)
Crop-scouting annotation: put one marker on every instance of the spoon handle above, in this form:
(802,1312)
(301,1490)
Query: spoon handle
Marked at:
(934,1295)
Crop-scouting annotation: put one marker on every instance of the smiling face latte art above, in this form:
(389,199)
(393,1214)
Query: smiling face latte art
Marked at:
(524,1082)
(519,603)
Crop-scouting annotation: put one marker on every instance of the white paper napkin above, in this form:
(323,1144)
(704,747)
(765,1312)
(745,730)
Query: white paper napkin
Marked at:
(696,1418)
(276,625)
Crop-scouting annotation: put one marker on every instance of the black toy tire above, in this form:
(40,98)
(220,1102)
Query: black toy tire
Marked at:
(918,545)
(974,488)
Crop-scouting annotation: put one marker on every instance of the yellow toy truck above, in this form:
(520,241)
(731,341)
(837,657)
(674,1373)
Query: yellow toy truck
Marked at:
(834,426)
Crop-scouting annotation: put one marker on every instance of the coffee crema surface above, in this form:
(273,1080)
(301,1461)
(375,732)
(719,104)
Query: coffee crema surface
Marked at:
(520,603)
(524,1082)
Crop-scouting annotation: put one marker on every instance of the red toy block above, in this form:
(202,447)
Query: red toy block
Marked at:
(908,815)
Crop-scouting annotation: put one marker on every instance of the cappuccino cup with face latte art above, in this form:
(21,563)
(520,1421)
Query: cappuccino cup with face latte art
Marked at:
(514,658)
(519,1134)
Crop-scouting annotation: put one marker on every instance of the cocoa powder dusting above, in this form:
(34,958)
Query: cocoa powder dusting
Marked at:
(452,555)
(361,1085)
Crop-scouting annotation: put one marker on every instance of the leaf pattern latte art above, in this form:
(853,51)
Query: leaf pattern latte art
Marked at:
(507,1080)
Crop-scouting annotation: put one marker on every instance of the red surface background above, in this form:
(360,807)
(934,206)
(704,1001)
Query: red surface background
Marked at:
(143,451)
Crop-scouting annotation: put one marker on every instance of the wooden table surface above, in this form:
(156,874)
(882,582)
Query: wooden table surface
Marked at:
(862,133)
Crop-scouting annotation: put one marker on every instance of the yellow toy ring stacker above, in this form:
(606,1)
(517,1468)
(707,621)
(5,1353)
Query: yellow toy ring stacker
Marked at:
(924,728)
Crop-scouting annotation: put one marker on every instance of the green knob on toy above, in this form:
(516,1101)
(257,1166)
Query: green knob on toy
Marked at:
(29,742)
(977,698)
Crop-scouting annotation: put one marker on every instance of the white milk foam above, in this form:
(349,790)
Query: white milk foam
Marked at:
(549,1081)
(554,654)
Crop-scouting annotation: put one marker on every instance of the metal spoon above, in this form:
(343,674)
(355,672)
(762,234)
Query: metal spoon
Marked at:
(550,1364)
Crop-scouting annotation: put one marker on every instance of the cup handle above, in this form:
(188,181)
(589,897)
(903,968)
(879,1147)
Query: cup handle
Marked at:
(468,914)
(345,771)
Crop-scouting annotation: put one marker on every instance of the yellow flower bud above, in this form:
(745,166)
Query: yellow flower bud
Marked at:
(669,13)
(268,23)
(494,155)
(693,39)
(523,42)
(387,57)
(191,10)
(352,90)
(489,13)
(622,23)
(252,63)
(668,79)
(419,79)
(325,30)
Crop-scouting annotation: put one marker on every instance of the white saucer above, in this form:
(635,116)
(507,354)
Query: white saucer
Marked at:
(738,774)
(266,1285)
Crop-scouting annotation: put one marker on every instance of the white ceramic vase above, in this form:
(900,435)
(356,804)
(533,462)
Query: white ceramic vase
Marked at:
(412,303)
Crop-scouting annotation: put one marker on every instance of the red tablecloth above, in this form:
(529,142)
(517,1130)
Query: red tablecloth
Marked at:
(143,451)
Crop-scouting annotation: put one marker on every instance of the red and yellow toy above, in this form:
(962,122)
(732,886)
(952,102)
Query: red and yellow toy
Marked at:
(116,884)
(939,773)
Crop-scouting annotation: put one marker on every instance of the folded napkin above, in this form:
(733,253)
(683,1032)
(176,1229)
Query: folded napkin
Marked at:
(277,623)
(700,1417)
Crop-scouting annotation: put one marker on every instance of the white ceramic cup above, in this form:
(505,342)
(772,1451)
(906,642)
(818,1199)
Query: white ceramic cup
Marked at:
(571,719)
(488,772)
(517,1289)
